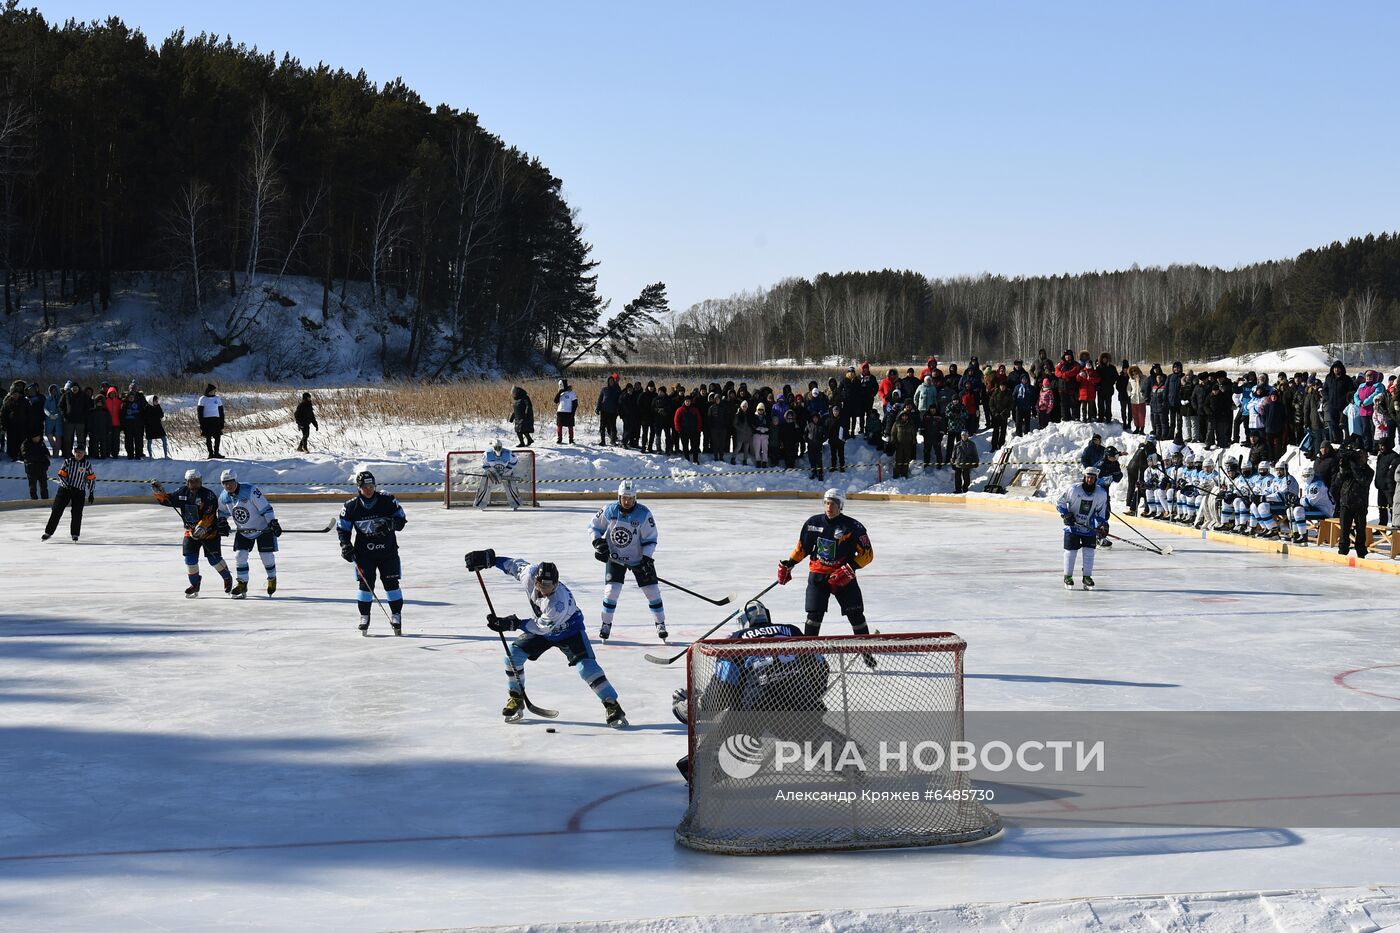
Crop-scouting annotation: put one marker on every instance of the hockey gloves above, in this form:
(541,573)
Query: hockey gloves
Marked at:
(600,549)
(221,527)
(347,551)
(276,527)
(784,572)
(1069,519)
(841,576)
(1101,531)
(480,560)
(680,705)
(502,623)
(605,630)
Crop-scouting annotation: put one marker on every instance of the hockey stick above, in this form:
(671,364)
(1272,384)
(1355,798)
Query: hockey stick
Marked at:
(655,659)
(1142,547)
(382,608)
(1136,532)
(309,531)
(519,674)
(713,602)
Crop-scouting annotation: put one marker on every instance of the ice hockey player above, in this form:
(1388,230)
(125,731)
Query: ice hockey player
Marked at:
(497,469)
(199,511)
(1209,486)
(624,538)
(1154,478)
(75,488)
(555,622)
(249,513)
(1084,508)
(1234,502)
(1280,492)
(788,680)
(376,518)
(838,545)
(1314,504)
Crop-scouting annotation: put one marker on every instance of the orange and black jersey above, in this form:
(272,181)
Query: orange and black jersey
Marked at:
(832,542)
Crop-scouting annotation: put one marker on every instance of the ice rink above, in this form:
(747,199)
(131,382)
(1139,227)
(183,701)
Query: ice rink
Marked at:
(193,764)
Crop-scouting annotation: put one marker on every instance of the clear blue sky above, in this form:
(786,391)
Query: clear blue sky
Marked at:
(722,146)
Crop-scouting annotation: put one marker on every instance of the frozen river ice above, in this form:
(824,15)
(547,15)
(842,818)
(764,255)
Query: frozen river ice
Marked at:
(197,764)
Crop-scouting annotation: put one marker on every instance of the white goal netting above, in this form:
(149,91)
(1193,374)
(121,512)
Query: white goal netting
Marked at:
(801,744)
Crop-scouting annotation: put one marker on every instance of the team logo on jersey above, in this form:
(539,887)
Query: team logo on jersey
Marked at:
(825,551)
(741,756)
(621,536)
(241,514)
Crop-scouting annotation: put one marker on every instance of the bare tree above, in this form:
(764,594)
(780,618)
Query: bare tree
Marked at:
(1366,305)
(187,222)
(264,192)
(387,234)
(16,163)
(1342,328)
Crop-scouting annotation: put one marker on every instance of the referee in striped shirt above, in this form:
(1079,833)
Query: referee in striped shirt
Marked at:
(75,488)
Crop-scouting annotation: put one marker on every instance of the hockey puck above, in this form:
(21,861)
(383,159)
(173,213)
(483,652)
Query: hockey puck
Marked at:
(551,729)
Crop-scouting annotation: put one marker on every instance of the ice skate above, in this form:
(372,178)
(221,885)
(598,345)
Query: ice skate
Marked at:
(616,717)
(515,708)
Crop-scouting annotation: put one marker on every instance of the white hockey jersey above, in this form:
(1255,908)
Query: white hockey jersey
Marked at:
(630,535)
(1090,509)
(501,463)
(246,509)
(1315,497)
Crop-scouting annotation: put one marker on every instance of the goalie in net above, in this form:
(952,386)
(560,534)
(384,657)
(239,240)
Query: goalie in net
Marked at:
(497,472)
(797,744)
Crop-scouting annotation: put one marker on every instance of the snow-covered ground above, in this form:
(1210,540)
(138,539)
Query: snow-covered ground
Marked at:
(1315,359)
(190,765)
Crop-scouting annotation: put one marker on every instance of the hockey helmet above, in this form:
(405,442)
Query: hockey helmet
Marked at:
(755,614)
(228,475)
(1247,466)
(1265,466)
(1110,451)
(1092,471)
(1307,471)
(627,490)
(496,444)
(1281,468)
(363,478)
(1231,462)
(193,474)
(835,495)
(1196,460)
(547,573)
(1153,458)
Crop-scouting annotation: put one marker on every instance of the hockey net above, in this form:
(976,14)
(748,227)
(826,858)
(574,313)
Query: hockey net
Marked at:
(464,476)
(752,703)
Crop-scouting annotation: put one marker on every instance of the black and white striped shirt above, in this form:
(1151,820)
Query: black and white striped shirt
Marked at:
(77,474)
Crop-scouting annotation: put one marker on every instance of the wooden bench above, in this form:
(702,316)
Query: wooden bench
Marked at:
(1329,533)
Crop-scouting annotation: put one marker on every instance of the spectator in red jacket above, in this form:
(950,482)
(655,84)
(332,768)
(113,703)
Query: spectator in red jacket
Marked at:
(113,403)
(688,422)
(1088,379)
(1067,379)
(931,369)
(888,385)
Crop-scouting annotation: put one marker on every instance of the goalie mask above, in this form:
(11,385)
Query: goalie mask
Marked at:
(755,615)
(496,445)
